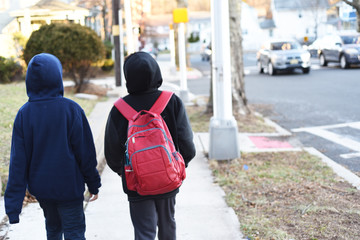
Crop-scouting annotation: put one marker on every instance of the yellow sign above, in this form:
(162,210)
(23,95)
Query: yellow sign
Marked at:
(180,15)
(115,30)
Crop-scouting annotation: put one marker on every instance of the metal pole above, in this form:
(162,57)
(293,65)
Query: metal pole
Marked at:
(172,47)
(129,27)
(223,127)
(121,42)
(115,33)
(184,95)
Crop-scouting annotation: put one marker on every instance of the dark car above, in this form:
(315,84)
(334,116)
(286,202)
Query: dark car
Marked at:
(281,55)
(340,48)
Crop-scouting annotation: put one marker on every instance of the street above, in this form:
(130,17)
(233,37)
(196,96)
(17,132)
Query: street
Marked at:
(319,108)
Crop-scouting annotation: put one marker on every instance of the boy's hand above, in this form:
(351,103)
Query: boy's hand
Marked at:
(93,197)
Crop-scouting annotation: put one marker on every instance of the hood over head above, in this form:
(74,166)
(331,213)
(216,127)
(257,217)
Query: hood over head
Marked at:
(44,77)
(142,73)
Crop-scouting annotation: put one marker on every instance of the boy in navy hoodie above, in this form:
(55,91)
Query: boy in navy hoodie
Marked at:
(52,153)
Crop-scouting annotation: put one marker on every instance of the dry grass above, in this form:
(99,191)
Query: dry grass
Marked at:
(289,195)
(252,123)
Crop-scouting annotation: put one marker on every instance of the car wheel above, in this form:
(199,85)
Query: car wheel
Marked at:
(271,69)
(306,70)
(323,62)
(343,63)
(260,68)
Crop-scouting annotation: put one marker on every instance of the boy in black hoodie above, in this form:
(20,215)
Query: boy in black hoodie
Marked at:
(52,153)
(143,78)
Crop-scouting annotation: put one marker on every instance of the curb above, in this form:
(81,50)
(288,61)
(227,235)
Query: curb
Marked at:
(341,171)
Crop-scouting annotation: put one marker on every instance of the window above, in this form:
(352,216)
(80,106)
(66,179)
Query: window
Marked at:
(284,46)
(351,39)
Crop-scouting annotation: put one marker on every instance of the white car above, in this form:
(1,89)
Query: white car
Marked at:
(282,55)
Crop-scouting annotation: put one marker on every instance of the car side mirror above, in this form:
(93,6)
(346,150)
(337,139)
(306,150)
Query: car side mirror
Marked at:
(338,44)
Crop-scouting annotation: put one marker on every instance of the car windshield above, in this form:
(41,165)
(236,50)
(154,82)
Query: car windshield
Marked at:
(284,45)
(351,39)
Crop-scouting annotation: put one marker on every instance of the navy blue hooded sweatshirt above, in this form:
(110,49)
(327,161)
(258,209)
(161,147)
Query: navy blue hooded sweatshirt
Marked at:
(143,78)
(52,148)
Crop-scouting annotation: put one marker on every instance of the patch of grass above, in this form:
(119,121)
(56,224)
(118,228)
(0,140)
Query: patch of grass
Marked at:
(13,96)
(289,195)
(200,121)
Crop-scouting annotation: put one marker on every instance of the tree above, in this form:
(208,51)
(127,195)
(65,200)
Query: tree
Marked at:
(355,4)
(76,46)
(237,64)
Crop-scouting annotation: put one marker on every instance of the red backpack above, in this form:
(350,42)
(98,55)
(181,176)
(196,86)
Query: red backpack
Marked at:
(152,165)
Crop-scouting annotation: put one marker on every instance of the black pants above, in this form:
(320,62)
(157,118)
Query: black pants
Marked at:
(148,214)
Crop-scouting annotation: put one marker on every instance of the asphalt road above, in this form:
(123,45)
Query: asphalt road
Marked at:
(310,105)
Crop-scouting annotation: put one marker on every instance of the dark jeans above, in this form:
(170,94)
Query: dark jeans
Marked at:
(148,214)
(64,218)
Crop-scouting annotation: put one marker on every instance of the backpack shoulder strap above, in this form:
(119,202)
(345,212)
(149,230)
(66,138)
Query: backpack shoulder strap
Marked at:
(125,109)
(161,102)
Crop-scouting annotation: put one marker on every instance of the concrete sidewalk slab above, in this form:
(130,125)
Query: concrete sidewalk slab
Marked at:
(201,210)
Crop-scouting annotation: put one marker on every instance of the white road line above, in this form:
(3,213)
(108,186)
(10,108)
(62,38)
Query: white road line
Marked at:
(355,125)
(346,142)
(340,125)
(350,155)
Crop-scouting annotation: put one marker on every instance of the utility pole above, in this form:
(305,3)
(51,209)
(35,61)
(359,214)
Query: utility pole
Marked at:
(223,126)
(116,39)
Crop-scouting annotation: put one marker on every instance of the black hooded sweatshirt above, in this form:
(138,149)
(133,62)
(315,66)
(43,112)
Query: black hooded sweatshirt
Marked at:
(143,78)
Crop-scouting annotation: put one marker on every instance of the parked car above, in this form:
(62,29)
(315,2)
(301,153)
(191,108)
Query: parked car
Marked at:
(281,55)
(149,48)
(342,48)
(206,53)
(314,48)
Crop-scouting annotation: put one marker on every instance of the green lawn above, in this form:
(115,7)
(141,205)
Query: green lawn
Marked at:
(13,96)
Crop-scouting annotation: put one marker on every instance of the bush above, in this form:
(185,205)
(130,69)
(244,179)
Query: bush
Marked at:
(194,37)
(76,46)
(108,48)
(8,70)
(108,65)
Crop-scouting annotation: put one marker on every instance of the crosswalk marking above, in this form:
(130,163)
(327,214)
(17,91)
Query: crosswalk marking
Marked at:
(350,155)
(323,131)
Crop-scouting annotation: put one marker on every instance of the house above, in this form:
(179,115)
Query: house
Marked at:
(46,12)
(8,26)
(26,18)
(300,18)
(254,30)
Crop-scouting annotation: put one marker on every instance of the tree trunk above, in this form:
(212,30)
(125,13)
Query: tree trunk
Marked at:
(209,105)
(237,64)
